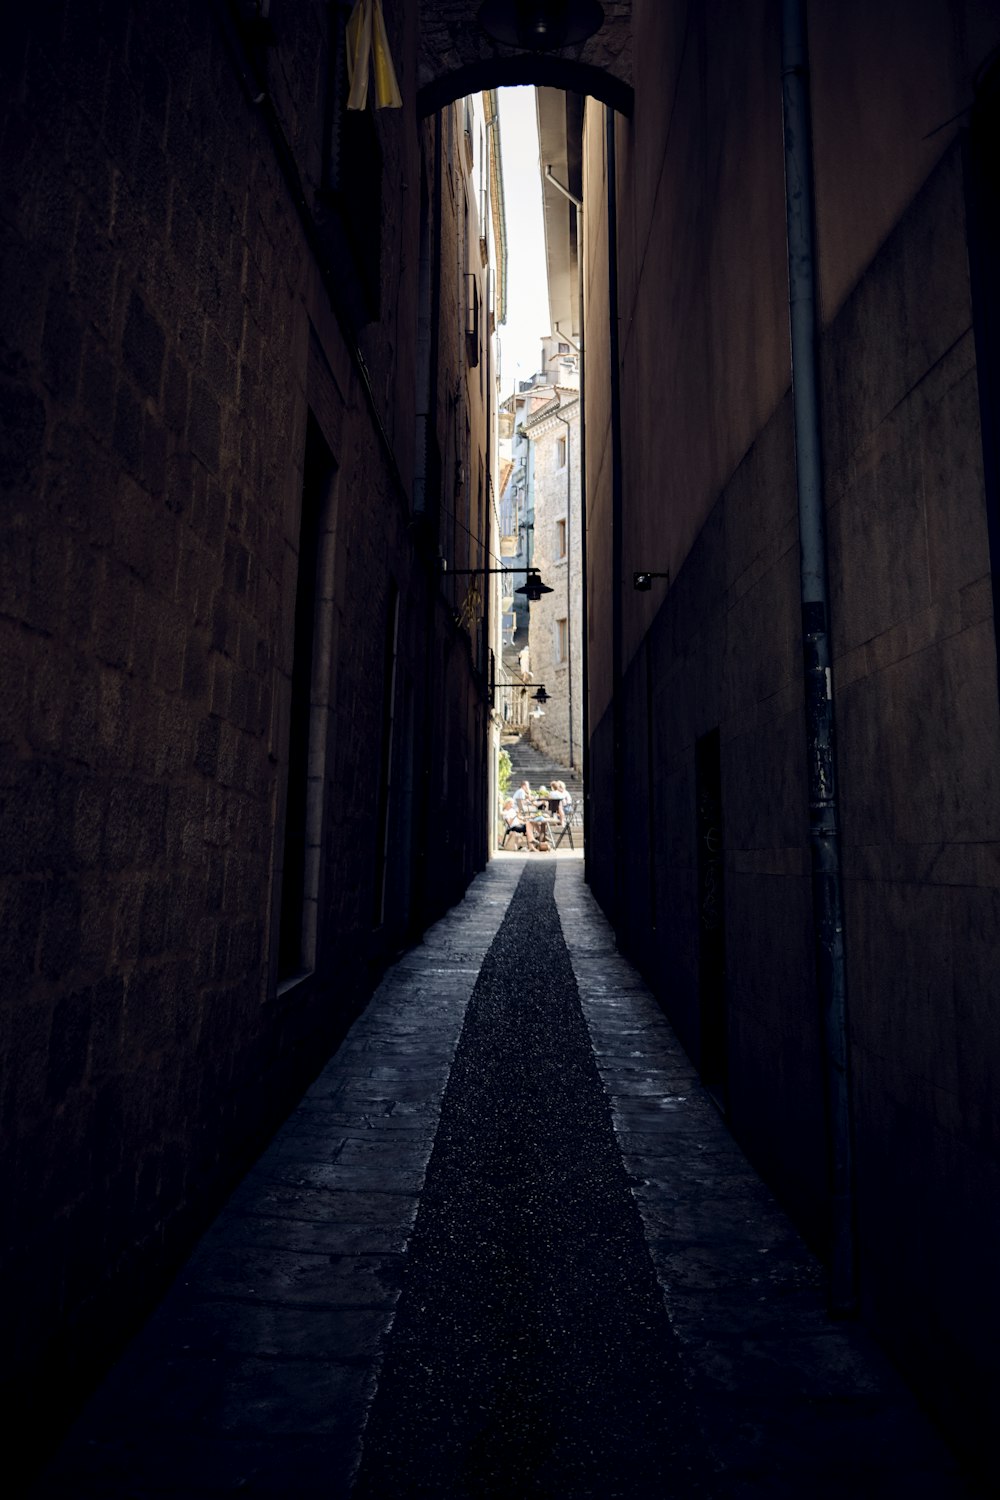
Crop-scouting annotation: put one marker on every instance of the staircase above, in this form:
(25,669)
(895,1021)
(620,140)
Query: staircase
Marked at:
(540,770)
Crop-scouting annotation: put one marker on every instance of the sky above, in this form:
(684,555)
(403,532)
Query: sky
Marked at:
(527,297)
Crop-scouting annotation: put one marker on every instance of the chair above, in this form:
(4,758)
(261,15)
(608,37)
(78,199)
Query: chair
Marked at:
(574,820)
(507,831)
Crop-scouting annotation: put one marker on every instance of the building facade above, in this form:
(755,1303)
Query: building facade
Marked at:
(248,390)
(555,630)
(517,545)
(709,696)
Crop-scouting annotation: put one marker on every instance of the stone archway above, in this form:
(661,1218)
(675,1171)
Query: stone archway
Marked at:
(456,57)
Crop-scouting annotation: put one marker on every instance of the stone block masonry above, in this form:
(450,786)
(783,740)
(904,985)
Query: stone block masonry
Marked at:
(167,325)
(555,622)
(706,745)
(280,1319)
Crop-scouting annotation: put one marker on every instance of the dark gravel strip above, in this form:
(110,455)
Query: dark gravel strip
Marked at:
(531,1354)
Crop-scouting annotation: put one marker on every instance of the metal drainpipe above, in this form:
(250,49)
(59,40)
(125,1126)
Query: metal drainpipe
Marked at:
(584,639)
(489,797)
(569,573)
(423,881)
(617,703)
(824,837)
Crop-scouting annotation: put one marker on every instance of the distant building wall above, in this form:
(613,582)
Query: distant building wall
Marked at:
(555,629)
(710,665)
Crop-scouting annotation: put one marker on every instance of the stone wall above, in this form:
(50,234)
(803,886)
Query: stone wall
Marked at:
(916,674)
(555,621)
(711,660)
(191,342)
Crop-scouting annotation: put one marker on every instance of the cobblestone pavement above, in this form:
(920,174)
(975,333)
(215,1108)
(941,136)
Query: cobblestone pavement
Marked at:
(570,1199)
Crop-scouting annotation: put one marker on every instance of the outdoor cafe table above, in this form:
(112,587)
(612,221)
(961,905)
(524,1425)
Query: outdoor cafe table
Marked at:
(543,822)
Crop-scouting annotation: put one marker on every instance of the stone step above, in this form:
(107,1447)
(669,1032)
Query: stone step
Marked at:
(538,768)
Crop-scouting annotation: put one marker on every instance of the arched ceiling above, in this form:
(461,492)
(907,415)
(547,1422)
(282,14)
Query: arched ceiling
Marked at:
(458,58)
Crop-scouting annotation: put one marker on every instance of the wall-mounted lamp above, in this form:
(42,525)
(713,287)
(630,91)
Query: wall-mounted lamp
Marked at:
(644,581)
(540,25)
(541,696)
(533,588)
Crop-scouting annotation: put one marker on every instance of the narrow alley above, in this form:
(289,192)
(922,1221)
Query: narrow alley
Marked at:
(504,1247)
(407,404)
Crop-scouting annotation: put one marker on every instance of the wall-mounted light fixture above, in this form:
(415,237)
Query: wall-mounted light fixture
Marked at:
(644,581)
(533,588)
(540,25)
(538,697)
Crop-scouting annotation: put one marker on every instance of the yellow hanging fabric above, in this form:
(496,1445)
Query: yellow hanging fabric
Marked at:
(366,18)
(387,95)
(359,46)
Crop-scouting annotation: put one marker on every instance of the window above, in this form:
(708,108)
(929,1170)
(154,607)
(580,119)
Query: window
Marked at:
(560,453)
(386,789)
(349,221)
(711,913)
(472,317)
(449,144)
(482,188)
(561,538)
(254,17)
(563,348)
(304,793)
(562,640)
(470,149)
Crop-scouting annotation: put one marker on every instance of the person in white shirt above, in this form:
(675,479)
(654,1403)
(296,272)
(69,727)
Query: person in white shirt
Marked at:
(563,801)
(515,822)
(523,801)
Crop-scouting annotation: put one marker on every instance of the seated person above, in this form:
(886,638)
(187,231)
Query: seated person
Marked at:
(514,821)
(565,801)
(523,801)
(541,821)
